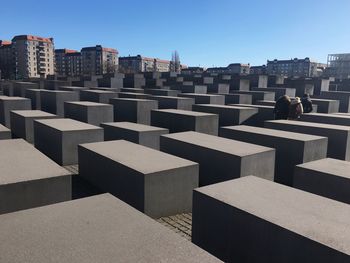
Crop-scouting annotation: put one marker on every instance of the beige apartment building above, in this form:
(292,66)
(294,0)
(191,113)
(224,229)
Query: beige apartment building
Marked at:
(67,62)
(134,64)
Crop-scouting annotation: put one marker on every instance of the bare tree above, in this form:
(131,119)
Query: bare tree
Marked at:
(175,65)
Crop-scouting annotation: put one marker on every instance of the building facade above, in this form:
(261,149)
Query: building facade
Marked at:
(6,60)
(338,66)
(67,62)
(258,70)
(135,64)
(295,68)
(234,68)
(98,60)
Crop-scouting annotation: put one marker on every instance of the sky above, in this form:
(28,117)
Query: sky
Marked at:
(204,32)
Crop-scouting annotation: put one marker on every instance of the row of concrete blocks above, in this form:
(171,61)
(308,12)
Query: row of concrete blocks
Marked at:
(226,216)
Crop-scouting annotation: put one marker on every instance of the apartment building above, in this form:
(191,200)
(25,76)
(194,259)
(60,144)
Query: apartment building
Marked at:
(234,68)
(338,66)
(33,56)
(98,60)
(6,60)
(295,67)
(67,62)
(135,64)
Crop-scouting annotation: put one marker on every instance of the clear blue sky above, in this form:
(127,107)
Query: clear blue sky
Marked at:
(205,32)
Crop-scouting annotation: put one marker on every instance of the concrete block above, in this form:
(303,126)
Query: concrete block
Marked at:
(238,98)
(58,138)
(5,133)
(181,120)
(132,95)
(254,220)
(205,98)
(266,102)
(199,89)
(220,159)
(326,177)
(326,106)
(52,101)
(22,122)
(133,110)
(8,104)
(264,113)
(29,179)
(279,92)
(132,90)
(19,88)
(99,96)
(338,136)
(134,132)
(256,95)
(153,182)
(291,148)
(162,92)
(89,229)
(55,84)
(228,115)
(168,102)
(74,89)
(343,97)
(336,119)
(7,88)
(222,88)
(34,96)
(90,112)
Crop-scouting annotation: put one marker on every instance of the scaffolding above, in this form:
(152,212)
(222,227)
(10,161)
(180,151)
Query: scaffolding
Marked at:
(339,65)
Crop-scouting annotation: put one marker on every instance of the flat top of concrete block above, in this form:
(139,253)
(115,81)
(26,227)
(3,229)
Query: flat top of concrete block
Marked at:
(336,92)
(325,100)
(20,161)
(140,158)
(100,228)
(312,124)
(58,91)
(73,87)
(33,113)
(218,143)
(318,218)
(88,103)
(129,99)
(251,92)
(172,97)
(133,126)
(253,106)
(99,91)
(225,106)
(38,90)
(186,112)
(4,98)
(3,128)
(328,165)
(275,133)
(199,95)
(329,115)
(68,125)
(24,82)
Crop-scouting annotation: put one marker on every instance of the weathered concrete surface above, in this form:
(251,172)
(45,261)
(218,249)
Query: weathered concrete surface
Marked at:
(343,97)
(326,106)
(53,100)
(34,96)
(8,104)
(228,115)
(326,177)
(168,102)
(155,183)
(264,113)
(255,220)
(335,119)
(5,133)
(134,132)
(29,179)
(205,98)
(22,122)
(238,98)
(96,229)
(256,95)
(100,96)
(291,148)
(58,138)
(220,159)
(338,136)
(181,120)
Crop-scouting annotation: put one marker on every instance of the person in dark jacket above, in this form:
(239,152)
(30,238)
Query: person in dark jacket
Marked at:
(281,109)
(307,103)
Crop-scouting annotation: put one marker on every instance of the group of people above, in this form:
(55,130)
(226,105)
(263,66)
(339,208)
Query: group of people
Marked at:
(291,109)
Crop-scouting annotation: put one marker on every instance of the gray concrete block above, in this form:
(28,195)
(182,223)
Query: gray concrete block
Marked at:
(95,229)
(326,106)
(205,98)
(90,112)
(19,88)
(343,97)
(335,119)
(338,136)
(162,92)
(228,115)
(238,98)
(132,90)
(133,110)
(220,159)
(134,132)
(22,123)
(266,102)
(8,104)
(291,148)
(181,120)
(168,102)
(29,179)
(52,101)
(327,177)
(132,95)
(74,89)
(256,95)
(34,96)
(58,138)
(153,182)
(199,89)
(55,84)
(264,113)
(222,88)
(99,96)
(254,220)
(7,88)
(278,91)
(5,133)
